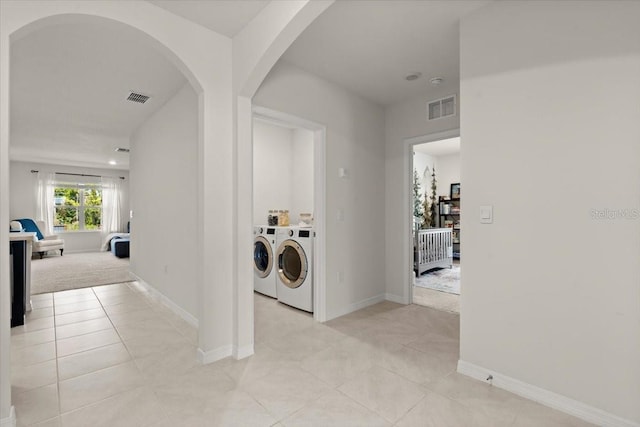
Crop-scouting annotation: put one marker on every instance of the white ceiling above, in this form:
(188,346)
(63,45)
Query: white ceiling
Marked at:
(69,82)
(226,17)
(444,147)
(69,85)
(370,46)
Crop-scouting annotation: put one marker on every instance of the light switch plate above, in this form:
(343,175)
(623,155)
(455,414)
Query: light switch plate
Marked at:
(486,214)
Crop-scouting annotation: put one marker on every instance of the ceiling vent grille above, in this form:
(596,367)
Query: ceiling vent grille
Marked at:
(137,97)
(440,108)
(122,150)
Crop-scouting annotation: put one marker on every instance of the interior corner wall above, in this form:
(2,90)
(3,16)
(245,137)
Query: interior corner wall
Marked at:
(23,200)
(272,169)
(355,141)
(550,130)
(402,121)
(164,200)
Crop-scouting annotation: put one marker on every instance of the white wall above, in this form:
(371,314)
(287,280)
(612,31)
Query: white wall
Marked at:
(402,121)
(301,174)
(282,171)
(447,173)
(272,160)
(551,126)
(23,200)
(355,141)
(163,189)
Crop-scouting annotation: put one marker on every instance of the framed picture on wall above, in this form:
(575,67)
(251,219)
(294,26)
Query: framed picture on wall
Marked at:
(455,191)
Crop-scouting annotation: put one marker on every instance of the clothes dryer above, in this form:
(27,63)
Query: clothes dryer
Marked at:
(295,268)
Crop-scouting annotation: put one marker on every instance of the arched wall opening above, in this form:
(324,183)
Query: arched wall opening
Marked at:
(207,67)
(256,51)
(226,74)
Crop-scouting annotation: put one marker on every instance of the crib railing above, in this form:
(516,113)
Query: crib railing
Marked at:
(433,248)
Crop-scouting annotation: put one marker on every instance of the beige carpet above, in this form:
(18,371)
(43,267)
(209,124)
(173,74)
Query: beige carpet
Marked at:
(72,271)
(442,301)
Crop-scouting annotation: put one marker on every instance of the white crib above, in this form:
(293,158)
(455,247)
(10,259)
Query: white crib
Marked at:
(433,248)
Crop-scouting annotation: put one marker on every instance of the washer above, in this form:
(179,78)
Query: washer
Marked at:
(265,270)
(295,268)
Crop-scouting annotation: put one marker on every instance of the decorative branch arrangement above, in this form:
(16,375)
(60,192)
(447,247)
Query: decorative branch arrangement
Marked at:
(418,209)
(425,207)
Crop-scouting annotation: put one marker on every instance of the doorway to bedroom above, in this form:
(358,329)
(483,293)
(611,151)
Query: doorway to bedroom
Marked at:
(436,231)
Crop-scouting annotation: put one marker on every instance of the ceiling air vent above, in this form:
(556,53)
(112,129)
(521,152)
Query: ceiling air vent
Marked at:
(137,97)
(440,108)
(122,150)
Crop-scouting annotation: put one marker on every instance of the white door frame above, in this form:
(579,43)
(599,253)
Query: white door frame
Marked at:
(408,201)
(319,199)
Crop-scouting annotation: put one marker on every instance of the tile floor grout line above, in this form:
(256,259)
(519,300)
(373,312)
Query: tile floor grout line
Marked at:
(55,336)
(100,401)
(122,341)
(131,356)
(102,369)
(91,349)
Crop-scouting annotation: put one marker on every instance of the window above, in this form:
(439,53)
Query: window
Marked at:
(77,207)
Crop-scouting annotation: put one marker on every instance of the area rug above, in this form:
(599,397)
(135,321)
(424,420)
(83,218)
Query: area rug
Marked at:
(443,280)
(81,270)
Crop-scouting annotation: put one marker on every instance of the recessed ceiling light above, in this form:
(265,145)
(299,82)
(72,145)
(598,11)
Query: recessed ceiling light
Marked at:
(413,76)
(112,162)
(436,81)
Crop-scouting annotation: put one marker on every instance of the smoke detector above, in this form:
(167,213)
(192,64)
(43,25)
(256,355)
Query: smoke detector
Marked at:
(436,81)
(138,97)
(122,150)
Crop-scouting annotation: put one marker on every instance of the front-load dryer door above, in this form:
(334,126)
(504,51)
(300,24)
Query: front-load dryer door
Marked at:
(262,257)
(292,264)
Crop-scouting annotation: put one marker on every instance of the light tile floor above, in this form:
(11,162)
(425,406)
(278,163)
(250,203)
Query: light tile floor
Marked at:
(111,356)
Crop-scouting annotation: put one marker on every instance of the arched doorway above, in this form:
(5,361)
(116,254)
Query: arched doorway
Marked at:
(225,75)
(209,77)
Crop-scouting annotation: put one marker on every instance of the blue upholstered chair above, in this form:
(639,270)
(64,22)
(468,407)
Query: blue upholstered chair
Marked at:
(43,243)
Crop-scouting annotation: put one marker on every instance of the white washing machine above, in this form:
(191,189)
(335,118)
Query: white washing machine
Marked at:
(264,260)
(295,268)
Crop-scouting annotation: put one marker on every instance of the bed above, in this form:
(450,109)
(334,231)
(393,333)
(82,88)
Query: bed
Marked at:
(433,248)
(106,242)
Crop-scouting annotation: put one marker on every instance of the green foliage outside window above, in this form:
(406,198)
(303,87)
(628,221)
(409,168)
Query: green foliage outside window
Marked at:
(73,204)
(92,215)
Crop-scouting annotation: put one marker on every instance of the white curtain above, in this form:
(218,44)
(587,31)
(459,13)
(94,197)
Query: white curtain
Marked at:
(46,185)
(111,206)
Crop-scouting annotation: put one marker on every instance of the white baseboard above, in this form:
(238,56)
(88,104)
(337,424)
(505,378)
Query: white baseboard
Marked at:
(9,421)
(545,397)
(356,306)
(242,352)
(396,298)
(160,297)
(211,356)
